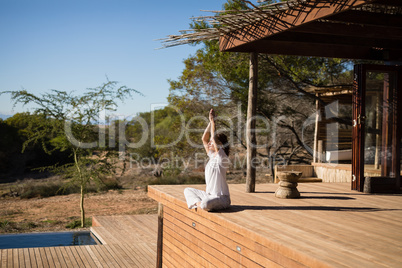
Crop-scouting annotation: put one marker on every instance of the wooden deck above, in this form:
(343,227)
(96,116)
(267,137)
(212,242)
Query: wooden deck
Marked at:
(330,226)
(128,241)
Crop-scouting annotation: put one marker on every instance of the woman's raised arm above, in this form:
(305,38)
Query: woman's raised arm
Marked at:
(205,137)
(213,128)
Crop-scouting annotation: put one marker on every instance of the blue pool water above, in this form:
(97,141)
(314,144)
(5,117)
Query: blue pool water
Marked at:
(33,240)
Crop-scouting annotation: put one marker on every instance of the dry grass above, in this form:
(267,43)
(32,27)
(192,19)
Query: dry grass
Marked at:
(54,213)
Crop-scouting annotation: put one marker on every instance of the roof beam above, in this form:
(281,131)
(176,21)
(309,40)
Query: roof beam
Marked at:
(340,40)
(343,29)
(322,50)
(397,3)
(368,18)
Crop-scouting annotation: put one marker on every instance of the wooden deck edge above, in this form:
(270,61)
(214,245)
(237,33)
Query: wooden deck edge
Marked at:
(347,167)
(309,179)
(162,197)
(291,253)
(215,241)
(305,180)
(95,222)
(97,235)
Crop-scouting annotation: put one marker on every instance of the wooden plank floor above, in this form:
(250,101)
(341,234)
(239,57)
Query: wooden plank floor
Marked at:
(329,226)
(127,241)
(136,234)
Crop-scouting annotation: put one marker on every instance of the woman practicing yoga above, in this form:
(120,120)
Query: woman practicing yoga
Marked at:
(217,195)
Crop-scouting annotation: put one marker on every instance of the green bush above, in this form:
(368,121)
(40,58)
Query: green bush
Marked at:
(77,223)
(44,188)
(110,185)
(171,171)
(30,225)
(4,224)
(56,186)
(7,226)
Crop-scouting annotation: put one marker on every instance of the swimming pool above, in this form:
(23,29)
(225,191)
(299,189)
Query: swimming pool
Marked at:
(54,239)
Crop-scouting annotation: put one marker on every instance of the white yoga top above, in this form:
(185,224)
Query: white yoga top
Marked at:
(215,173)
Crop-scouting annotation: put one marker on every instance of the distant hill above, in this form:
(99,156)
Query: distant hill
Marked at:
(5,116)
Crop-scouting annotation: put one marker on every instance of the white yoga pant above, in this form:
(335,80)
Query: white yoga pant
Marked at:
(208,202)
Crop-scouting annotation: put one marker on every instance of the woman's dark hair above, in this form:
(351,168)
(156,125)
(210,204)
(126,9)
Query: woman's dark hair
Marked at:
(222,138)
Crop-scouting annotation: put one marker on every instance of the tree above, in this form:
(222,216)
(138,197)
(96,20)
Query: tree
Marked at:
(25,127)
(74,122)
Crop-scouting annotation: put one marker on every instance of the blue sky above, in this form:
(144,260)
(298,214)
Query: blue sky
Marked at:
(74,44)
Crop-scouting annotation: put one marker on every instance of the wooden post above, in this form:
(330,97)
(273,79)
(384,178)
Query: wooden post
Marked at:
(160,237)
(250,128)
(317,118)
(377,135)
(387,130)
(320,151)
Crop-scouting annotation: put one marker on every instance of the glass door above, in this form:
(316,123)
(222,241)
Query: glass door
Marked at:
(376,132)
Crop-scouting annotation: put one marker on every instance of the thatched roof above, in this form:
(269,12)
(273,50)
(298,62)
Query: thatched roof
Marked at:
(227,21)
(241,30)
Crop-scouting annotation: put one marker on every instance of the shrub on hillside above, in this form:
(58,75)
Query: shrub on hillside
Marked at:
(167,180)
(31,188)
